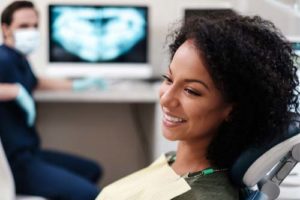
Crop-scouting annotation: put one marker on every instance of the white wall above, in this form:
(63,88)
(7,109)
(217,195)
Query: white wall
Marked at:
(284,16)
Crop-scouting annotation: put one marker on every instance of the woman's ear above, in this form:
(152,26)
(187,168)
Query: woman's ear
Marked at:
(229,111)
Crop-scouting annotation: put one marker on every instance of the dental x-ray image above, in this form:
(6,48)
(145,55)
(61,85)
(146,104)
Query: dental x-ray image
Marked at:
(97,34)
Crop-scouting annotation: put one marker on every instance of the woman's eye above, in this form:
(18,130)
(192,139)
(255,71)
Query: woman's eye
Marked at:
(167,79)
(192,92)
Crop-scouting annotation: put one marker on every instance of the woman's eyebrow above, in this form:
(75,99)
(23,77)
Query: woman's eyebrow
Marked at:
(192,80)
(197,81)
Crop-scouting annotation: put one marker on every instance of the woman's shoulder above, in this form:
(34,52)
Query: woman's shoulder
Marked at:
(216,186)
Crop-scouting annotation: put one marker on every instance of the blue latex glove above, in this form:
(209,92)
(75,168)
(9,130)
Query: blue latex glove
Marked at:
(89,83)
(26,102)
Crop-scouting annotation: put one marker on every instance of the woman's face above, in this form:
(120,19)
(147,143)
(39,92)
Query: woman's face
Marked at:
(193,108)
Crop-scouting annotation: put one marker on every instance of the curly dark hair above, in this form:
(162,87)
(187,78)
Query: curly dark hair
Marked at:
(251,63)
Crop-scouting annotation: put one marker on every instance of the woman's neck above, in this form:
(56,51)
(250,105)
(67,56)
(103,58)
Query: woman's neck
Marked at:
(190,158)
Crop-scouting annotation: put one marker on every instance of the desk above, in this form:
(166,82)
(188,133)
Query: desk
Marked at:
(135,92)
(119,128)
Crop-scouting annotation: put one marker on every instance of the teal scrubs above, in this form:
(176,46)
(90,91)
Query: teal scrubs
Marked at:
(49,174)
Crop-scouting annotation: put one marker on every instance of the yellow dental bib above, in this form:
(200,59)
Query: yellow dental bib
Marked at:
(156,182)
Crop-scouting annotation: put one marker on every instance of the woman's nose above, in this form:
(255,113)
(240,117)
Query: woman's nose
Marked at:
(168,97)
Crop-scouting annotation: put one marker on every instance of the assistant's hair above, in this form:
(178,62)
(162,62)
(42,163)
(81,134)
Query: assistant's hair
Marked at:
(251,63)
(8,12)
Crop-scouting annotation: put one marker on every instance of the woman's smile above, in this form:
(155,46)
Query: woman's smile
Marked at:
(170,120)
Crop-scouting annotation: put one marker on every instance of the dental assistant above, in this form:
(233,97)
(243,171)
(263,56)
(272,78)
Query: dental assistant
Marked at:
(50,174)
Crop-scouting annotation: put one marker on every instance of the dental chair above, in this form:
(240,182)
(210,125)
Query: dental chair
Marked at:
(259,171)
(7,187)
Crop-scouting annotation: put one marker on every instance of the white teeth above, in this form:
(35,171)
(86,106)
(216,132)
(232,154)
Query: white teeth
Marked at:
(173,119)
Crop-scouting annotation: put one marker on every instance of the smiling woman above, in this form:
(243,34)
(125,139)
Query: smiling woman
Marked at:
(192,105)
(231,83)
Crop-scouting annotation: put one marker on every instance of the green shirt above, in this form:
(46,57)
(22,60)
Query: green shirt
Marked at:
(216,186)
(210,187)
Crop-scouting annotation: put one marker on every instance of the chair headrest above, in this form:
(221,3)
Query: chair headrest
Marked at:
(254,163)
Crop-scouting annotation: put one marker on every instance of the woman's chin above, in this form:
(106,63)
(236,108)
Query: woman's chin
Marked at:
(169,135)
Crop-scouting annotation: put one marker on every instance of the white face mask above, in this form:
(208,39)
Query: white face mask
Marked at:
(26,40)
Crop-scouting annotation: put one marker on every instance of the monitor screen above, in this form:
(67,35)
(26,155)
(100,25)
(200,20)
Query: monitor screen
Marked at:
(296,47)
(98,34)
(295,44)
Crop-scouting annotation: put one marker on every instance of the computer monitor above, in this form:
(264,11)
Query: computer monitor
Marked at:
(106,40)
(295,44)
